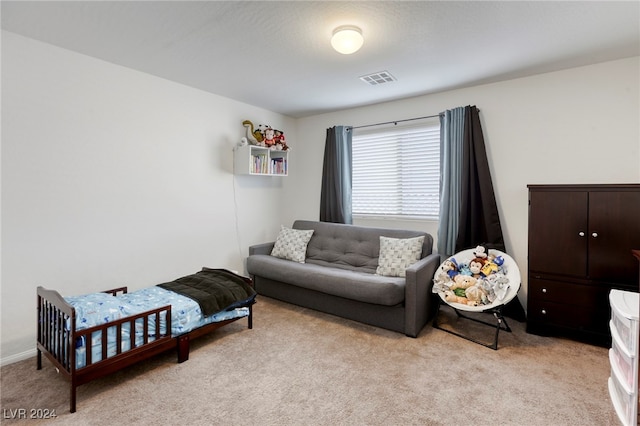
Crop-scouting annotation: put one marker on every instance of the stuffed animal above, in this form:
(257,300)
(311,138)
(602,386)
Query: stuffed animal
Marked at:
(451,297)
(280,140)
(269,135)
(440,282)
(476,294)
(481,252)
(476,265)
(463,281)
(489,268)
(253,136)
(450,267)
(496,285)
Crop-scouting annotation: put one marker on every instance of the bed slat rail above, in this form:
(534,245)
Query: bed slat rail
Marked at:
(152,323)
(54,338)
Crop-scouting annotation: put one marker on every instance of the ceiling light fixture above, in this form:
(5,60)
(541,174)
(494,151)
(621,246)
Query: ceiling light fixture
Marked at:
(347,39)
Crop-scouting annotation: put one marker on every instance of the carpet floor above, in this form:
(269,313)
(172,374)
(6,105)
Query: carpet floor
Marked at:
(301,367)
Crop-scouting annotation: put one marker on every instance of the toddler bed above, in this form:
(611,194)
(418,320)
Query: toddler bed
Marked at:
(90,336)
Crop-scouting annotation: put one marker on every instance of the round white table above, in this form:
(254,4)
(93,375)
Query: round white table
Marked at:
(495,308)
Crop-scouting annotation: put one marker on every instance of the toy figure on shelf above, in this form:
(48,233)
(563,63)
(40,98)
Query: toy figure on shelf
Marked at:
(281,145)
(269,135)
(253,136)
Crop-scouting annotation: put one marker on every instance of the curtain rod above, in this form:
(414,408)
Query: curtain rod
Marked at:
(395,121)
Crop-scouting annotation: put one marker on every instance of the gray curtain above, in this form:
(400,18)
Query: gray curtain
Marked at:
(335,195)
(479,222)
(451,147)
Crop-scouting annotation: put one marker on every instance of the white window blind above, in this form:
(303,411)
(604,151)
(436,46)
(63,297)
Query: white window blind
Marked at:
(396,172)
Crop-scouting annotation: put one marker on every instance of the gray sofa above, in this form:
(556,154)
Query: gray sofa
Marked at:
(339,277)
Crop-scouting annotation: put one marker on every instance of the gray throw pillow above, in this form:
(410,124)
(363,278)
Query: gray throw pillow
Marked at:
(397,254)
(291,244)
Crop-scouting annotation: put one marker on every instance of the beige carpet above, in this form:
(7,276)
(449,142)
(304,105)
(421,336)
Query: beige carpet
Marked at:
(301,367)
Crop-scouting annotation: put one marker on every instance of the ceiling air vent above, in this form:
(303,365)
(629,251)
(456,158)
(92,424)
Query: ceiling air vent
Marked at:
(378,78)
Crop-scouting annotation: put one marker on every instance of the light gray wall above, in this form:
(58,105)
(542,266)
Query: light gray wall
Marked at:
(114,177)
(580,125)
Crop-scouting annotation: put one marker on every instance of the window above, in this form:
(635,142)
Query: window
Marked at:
(396,171)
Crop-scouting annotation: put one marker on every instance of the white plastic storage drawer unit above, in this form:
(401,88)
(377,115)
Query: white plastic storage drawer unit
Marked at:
(623,355)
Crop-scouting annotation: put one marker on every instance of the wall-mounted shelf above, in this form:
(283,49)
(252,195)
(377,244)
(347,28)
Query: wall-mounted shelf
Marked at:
(260,161)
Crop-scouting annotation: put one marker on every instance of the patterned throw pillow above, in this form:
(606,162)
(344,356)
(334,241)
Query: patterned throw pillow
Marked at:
(291,244)
(397,254)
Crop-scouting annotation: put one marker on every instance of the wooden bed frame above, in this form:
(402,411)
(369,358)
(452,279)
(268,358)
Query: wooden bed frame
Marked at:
(58,344)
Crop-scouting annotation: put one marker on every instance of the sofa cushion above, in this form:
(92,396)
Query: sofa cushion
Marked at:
(360,286)
(397,254)
(352,247)
(291,244)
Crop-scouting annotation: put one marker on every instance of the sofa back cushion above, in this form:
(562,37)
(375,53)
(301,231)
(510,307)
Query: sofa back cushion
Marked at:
(352,247)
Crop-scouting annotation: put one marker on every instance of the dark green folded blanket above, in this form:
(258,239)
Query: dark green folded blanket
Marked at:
(215,290)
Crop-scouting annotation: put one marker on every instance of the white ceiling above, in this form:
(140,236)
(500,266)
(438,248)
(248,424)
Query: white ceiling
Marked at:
(277,55)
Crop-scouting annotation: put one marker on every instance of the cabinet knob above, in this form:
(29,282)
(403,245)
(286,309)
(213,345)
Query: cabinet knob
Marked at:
(594,235)
(544,290)
(581,233)
(543,312)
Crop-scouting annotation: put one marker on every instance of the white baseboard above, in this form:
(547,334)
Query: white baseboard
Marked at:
(18,357)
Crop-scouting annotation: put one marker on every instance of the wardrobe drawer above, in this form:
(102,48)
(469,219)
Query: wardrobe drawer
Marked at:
(569,316)
(568,293)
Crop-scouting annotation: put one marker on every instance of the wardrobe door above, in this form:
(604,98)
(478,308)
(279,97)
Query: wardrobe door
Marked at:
(557,232)
(614,230)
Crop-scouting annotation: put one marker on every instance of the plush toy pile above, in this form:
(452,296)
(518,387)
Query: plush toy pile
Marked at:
(264,136)
(478,281)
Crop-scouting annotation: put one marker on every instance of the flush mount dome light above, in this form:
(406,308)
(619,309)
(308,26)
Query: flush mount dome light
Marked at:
(347,39)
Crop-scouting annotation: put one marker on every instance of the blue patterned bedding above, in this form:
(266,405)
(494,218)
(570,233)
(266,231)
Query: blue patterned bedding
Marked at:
(100,308)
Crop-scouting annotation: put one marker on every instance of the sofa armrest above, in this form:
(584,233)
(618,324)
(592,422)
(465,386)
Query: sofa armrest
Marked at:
(264,248)
(418,299)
